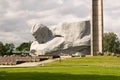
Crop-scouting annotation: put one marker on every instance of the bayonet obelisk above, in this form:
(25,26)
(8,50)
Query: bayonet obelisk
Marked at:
(97,27)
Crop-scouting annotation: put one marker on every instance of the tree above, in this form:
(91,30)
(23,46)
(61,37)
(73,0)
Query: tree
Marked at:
(24,46)
(117,47)
(9,47)
(1,49)
(111,42)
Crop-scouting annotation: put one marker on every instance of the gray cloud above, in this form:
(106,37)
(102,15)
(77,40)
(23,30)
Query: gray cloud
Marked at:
(18,16)
(111,16)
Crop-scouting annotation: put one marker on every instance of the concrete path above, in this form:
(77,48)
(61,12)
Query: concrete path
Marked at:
(32,64)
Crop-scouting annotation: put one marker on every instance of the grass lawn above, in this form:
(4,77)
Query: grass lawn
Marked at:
(88,68)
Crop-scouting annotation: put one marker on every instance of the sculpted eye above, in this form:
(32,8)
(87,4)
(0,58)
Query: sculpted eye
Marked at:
(35,36)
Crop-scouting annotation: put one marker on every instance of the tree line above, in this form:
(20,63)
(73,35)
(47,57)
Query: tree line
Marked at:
(111,44)
(9,48)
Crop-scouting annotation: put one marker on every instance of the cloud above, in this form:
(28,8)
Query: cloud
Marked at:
(18,16)
(111,16)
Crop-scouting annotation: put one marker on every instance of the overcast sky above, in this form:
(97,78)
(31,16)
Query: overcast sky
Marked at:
(18,16)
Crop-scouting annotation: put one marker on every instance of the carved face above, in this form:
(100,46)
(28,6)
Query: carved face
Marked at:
(41,33)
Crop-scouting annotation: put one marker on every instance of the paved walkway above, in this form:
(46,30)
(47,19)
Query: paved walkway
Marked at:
(32,64)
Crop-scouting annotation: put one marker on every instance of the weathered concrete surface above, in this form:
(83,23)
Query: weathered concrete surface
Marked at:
(97,27)
(41,33)
(69,38)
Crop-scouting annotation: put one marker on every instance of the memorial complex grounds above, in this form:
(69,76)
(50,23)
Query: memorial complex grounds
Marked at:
(85,68)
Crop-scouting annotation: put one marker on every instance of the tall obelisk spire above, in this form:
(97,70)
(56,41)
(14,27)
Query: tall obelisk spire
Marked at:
(97,27)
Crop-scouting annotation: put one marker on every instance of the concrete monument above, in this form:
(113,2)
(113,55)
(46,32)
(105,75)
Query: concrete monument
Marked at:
(69,38)
(97,27)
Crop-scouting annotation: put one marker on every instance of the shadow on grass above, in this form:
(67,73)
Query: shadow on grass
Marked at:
(53,76)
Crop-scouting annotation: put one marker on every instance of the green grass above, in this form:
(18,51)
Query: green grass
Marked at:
(88,68)
(106,61)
